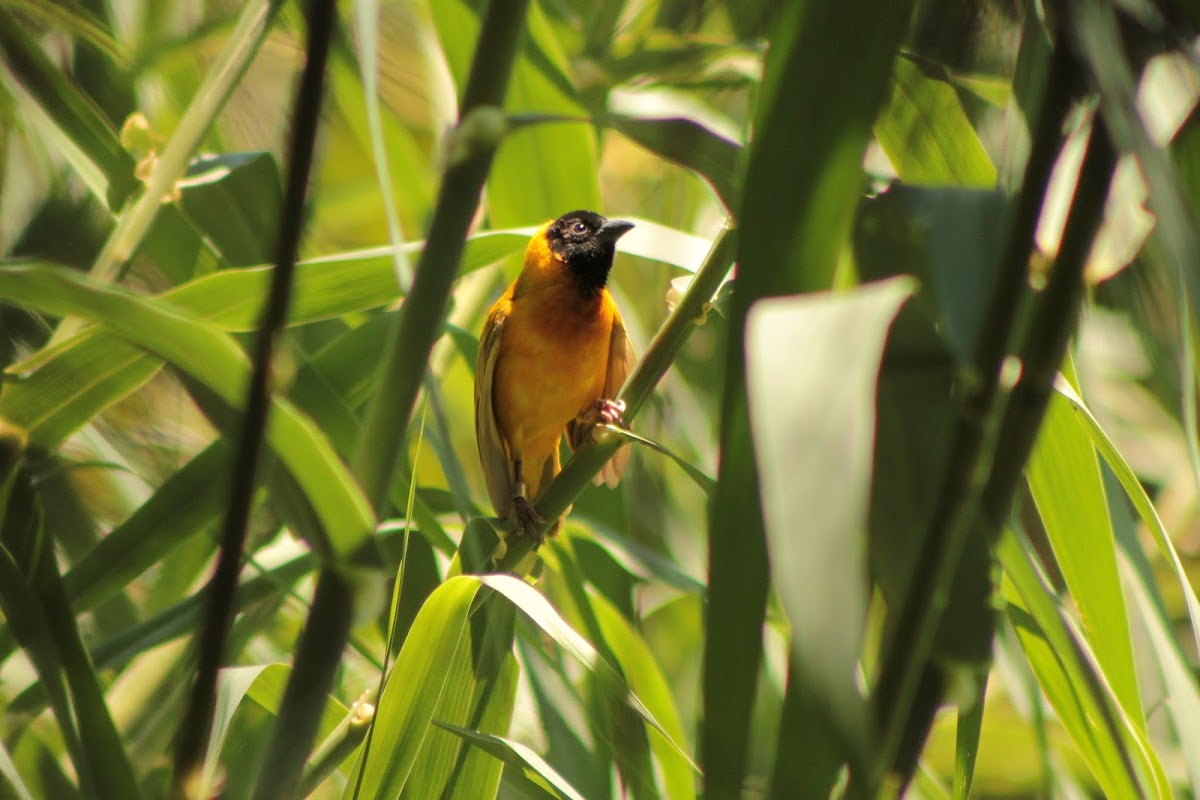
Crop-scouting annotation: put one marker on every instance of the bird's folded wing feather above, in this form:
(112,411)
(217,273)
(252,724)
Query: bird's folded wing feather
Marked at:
(620,364)
(493,454)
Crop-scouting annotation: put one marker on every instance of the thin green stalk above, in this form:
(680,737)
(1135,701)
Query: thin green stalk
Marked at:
(419,323)
(893,687)
(243,45)
(1050,332)
(1093,29)
(591,458)
(76,20)
(1011,443)
(1015,554)
(32,598)
(33,632)
(221,592)
(966,740)
(393,611)
(443,447)
(180,618)
(366,20)
(317,659)
(72,113)
(340,744)
(631,752)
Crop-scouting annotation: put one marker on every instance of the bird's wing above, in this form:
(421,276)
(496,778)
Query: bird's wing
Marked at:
(493,452)
(620,364)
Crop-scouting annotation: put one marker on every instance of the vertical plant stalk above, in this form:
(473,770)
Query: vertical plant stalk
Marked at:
(341,743)
(244,43)
(220,593)
(1041,354)
(894,688)
(1050,331)
(316,662)
(419,323)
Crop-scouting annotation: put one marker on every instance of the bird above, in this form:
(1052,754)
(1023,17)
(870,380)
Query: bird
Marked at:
(552,356)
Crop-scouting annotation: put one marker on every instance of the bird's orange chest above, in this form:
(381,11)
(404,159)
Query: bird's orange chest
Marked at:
(553,361)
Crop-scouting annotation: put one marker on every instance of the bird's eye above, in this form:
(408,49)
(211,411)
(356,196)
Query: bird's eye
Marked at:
(580,227)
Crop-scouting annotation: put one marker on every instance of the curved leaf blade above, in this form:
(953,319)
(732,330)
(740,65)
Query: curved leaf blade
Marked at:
(813,424)
(215,360)
(413,690)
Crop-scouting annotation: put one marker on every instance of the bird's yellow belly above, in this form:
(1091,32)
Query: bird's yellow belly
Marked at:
(557,372)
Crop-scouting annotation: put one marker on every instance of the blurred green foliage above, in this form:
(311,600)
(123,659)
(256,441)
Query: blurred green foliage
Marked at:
(935,526)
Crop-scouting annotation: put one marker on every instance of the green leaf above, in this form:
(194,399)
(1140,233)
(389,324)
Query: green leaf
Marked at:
(402,172)
(795,216)
(967,732)
(664,244)
(12,783)
(481,685)
(993,90)
(690,144)
(611,719)
(233,684)
(1064,477)
(705,483)
(1138,496)
(133,224)
(647,680)
(813,422)
(30,580)
(62,387)
(540,171)
(675,57)
(38,758)
(72,114)
(213,359)
(1071,679)
(76,20)
(186,504)
(517,756)
(27,620)
(1169,660)
(948,239)
(542,614)
(413,691)
(182,618)
(477,773)
(572,749)
(1181,696)
(178,248)
(927,135)
(234,198)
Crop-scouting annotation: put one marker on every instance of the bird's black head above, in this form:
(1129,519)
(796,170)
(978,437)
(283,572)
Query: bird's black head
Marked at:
(587,242)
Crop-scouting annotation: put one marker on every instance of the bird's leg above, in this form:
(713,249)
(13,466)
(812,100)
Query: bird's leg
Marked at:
(527,518)
(603,412)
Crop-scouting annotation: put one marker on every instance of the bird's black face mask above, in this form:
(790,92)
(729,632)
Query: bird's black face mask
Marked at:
(587,242)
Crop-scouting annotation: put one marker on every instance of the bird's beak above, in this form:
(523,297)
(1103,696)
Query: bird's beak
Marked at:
(613,229)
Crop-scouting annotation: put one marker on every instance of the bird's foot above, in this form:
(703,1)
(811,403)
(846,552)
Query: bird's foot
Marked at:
(604,412)
(529,521)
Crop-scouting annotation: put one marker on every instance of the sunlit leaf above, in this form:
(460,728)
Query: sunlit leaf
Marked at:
(813,426)
(216,361)
(413,690)
(927,135)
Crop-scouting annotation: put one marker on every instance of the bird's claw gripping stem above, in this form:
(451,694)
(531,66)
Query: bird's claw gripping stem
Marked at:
(528,520)
(604,412)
